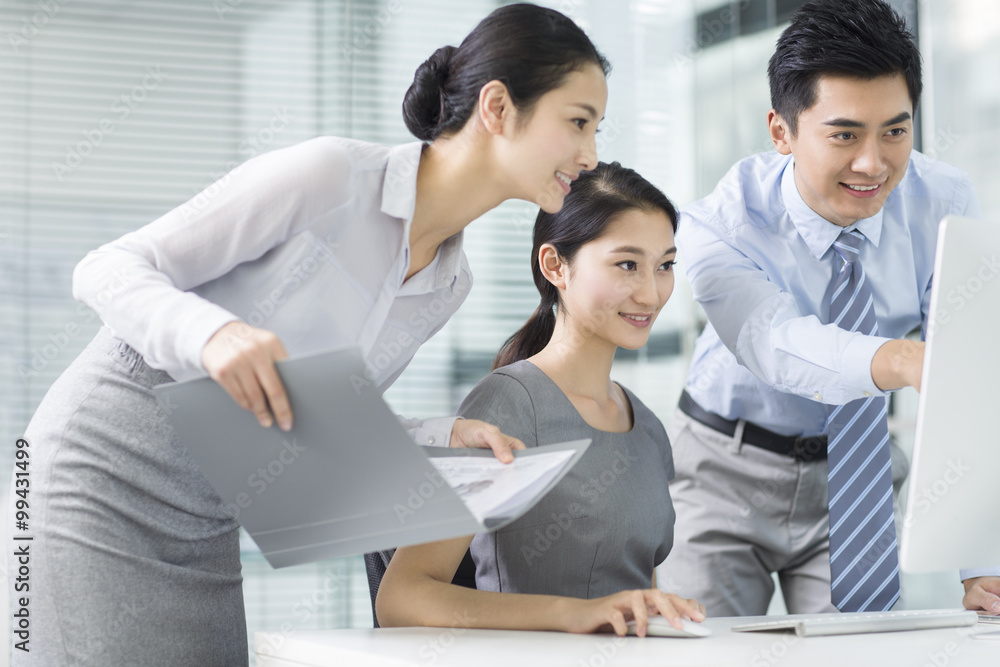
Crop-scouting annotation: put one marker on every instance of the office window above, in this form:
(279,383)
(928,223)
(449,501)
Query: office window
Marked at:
(783,9)
(119,111)
(115,112)
(755,15)
(961,103)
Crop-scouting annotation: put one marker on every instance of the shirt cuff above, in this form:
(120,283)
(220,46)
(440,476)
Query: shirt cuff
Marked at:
(201,330)
(434,432)
(858,355)
(979,572)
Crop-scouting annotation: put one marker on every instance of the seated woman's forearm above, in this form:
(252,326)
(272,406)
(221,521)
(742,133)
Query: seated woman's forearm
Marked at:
(425,600)
(420,599)
(417,590)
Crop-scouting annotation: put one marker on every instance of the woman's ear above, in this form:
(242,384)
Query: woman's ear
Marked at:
(495,106)
(553,267)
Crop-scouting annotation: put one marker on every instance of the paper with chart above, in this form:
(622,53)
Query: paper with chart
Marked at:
(491,489)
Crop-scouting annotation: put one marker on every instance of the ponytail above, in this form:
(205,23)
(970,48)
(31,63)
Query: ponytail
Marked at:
(529,339)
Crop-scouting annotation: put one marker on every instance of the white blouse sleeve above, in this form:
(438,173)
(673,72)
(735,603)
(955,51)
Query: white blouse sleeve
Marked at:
(137,283)
(432,432)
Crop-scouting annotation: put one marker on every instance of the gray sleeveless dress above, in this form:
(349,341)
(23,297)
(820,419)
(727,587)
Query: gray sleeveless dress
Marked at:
(605,526)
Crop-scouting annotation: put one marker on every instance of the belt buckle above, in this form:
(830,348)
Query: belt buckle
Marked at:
(807,449)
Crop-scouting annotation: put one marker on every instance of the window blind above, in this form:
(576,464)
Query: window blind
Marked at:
(115,112)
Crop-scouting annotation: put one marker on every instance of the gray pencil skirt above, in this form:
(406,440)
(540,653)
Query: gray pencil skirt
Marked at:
(134,560)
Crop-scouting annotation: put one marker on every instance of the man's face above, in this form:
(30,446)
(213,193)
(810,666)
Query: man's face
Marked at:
(852,146)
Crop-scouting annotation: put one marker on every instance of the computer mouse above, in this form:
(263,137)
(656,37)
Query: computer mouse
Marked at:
(659,626)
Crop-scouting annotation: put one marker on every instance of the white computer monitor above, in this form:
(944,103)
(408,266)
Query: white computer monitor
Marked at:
(952,519)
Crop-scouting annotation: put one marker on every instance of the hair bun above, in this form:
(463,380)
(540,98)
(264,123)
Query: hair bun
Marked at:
(424,101)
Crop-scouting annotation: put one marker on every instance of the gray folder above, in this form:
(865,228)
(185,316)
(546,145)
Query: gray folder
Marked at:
(347,479)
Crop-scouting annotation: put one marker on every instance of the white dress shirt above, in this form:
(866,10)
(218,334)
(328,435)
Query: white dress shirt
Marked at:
(310,242)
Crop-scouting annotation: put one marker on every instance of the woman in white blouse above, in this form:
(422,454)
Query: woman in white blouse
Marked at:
(135,560)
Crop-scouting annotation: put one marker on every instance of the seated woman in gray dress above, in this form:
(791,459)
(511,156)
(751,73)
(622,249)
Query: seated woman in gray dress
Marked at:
(582,559)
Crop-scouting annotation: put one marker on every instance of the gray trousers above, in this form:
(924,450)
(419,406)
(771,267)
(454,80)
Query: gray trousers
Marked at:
(744,512)
(134,560)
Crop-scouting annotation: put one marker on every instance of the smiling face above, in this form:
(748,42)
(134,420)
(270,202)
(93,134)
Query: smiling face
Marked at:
(547,148)
(852,146)
(617,284)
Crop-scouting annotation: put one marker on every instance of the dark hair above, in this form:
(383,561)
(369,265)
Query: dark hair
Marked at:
(860,38)
(530,49)
(593,203)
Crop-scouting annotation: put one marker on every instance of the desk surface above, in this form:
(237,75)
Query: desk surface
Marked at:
(446,647)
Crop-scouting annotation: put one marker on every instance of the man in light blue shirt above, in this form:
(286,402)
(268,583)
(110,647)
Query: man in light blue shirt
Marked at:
(749,436)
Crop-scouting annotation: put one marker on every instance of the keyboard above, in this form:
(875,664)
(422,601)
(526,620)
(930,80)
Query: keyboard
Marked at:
(815,625)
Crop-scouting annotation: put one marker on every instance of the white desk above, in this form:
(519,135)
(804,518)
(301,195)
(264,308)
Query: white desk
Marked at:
(447,647)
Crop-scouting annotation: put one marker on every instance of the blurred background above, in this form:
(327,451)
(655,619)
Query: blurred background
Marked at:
(114,111)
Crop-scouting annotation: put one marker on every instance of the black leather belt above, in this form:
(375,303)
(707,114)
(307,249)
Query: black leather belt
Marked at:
(801,449)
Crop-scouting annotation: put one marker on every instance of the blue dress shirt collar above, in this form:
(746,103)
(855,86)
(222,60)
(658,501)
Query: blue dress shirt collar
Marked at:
(818,232)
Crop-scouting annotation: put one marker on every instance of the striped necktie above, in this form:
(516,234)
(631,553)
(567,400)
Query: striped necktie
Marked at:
(864,567)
